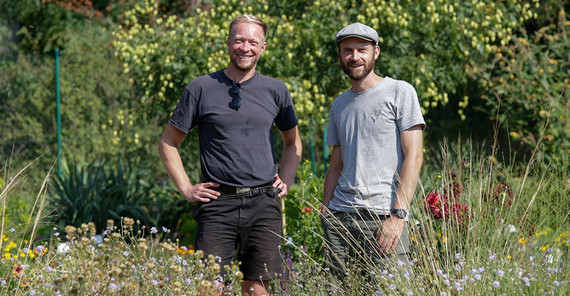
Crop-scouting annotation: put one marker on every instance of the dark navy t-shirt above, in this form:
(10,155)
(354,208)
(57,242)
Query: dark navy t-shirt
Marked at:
(236,146)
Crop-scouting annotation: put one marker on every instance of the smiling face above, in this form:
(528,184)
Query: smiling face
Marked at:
(245,44)
(357,57)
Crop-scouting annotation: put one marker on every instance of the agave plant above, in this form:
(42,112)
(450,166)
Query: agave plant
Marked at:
(96,192)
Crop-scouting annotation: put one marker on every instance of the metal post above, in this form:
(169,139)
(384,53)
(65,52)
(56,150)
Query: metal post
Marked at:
(325,149)
(312,148)
(58,110)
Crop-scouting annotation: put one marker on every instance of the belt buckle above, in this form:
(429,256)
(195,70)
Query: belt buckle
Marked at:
(242,189)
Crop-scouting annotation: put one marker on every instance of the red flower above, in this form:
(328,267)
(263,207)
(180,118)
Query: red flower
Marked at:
(440,207)
(17,270)
(434,204)
(503,194)
(459,212)
(307,210)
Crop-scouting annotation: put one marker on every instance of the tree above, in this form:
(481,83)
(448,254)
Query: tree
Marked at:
(432,44)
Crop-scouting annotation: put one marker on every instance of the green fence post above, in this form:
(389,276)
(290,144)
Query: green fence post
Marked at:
(58,110)
(312,147)
(325,149)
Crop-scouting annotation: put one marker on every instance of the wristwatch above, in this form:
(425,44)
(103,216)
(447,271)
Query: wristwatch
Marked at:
(399,213)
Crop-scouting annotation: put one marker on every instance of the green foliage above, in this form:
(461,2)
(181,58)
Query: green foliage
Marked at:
(165,207)
(41,26)
(96,117)
(428,43)
(304,234)
(102,190)
(526,83)
(95,193)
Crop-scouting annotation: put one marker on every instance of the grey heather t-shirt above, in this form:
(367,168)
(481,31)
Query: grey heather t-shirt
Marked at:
(367,127)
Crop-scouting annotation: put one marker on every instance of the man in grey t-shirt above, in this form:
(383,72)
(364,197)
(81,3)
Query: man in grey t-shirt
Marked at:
(376,130)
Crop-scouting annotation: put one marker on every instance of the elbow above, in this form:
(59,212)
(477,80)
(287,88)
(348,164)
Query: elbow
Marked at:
(299,148)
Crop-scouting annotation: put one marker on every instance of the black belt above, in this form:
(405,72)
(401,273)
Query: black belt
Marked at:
(247,191)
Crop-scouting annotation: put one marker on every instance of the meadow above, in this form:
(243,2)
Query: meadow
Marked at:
(479,226)
(98,216)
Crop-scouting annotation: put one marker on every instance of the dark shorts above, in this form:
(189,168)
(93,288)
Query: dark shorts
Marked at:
(247,223)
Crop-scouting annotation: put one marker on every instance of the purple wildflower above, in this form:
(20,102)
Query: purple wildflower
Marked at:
(526,281)
(458,286)
(496,284)
(153,230)
(113,287)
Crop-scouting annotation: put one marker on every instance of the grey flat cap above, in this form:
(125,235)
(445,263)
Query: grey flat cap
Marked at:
(357,30)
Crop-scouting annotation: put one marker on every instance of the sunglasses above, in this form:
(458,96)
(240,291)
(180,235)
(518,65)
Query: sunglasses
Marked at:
(234,93)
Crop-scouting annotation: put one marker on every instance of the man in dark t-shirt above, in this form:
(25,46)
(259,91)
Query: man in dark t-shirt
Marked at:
(238,201)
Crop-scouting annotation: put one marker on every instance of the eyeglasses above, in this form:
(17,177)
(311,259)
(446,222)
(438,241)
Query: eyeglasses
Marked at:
(234,93)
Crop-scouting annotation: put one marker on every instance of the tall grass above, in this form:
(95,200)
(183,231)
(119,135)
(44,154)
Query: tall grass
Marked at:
(481,225)
(499,229)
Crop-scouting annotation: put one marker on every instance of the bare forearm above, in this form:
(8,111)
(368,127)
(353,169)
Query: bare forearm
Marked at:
(173,165)
(331,181)
(333,174)
(408,182)
(412,147)
(290,160)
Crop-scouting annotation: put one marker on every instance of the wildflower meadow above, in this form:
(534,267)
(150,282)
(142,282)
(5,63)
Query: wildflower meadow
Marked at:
(477,228)
(87,87)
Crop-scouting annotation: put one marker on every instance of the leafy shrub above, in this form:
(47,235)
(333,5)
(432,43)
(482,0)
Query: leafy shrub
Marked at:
(95,193)
(303,222)
(526,83)
(163,52)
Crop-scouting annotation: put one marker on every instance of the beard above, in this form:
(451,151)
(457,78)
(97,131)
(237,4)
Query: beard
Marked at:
(244,67)
(368,67)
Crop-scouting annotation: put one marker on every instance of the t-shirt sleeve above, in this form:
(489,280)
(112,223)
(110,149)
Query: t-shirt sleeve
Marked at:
(409,112)
(332,133)
(286,118)
(184,115)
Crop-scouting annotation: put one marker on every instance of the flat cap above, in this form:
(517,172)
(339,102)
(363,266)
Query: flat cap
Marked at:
(357,30)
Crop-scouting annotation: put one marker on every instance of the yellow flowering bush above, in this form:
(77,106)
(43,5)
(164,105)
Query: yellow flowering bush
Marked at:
(428,43)
(527,81)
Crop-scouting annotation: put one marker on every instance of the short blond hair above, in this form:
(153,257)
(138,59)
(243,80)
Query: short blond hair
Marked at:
(246,18)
